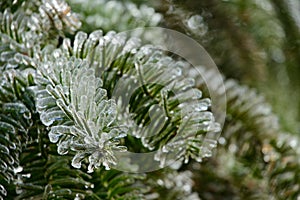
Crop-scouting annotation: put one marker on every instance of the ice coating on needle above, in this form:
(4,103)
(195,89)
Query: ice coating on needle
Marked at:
(76,108)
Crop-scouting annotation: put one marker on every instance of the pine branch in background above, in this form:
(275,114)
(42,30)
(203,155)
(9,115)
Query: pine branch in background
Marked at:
(254,136)
(214,25)
(251,148)
(169,184)
(239,39)
(16,120)
(114,15)
(292,33)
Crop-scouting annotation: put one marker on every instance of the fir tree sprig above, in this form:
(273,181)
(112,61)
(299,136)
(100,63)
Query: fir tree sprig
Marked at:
(81,117)
(33,26)
(114,15)
(79,91)
(16,119)
(123,63)
(254,147)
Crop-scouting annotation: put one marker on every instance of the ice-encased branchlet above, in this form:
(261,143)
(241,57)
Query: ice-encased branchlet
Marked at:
(116,15)
(100,50)
(177,184)
(76,108)
(278,161)
(60,14)
(175,108)
(14,37)
(251,123)
(261,113)
(185,107)
(15,121)
(27,34)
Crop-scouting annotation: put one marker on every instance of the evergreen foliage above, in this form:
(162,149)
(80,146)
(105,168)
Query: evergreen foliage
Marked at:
(75,94)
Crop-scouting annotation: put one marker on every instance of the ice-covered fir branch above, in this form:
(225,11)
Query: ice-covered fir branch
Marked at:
(168,184)
(261,140)
(16,119)
(257,147)
(34,25)
(179,105)
(73,103)
(114,15)
(157,86)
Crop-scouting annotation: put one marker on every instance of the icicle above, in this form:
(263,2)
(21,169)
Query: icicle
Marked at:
(57,131)
(4,149)
(6,55)
(190,94)
(80,38)
(15,107)
(43,103)
(3,190)
(63,147)
(48,118)
(7,127)
(77,159)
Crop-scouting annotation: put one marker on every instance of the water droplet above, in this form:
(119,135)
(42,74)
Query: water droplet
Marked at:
(26,175)
(12,145)
(188,83)
(79,196)
(293,143)
(176,71)
(18,169)
(203,105)
(197,25)
(195,21)
(222,141)
(107,167)
(120,135)
(57,131)
(233,148)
